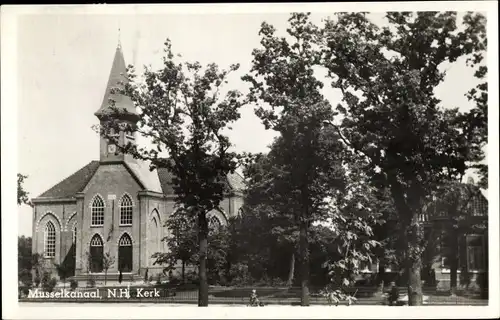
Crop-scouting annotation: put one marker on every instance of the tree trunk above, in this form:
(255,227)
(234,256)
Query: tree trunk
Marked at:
(105,277)
(183,271)
(291,272)
(380,277)
(414,267)
(413,261)
(202,235)
(304,264)
(453,257)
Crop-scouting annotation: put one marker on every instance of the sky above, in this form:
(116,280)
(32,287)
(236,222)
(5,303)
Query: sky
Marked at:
(64,62)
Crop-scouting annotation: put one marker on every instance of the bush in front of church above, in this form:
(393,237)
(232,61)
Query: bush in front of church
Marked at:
(73,284)
(48,282)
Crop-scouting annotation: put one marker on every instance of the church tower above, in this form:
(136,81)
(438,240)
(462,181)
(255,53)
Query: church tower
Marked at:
(124,111)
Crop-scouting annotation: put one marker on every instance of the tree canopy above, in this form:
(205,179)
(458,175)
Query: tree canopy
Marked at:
(391,115)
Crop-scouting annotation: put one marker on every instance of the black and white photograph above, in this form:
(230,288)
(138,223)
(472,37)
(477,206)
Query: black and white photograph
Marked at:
(328,160)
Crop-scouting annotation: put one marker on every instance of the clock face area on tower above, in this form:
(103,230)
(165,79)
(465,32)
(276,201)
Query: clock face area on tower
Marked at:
(111,148)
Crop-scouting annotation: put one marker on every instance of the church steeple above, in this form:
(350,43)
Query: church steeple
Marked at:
(123,104)
(124,111)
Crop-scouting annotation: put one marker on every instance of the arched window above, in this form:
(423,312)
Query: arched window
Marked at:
(155,243)
(96,254)
(214,224)
(50,240)
(125,253)
(126,211)
(97,218)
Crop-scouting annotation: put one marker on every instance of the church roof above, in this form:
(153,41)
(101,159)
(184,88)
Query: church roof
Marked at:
(159,180)
(234,180)
(118,74)
(165,177)
(148,178)
(73,184)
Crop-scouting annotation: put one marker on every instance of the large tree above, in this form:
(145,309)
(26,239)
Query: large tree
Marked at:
(290,101)
(267,197)
(184,113)
(391,115)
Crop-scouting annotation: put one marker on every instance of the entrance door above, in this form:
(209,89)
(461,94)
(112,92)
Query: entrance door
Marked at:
(96,254)
(125,253)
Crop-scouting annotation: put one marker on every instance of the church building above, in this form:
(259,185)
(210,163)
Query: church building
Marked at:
(114,208)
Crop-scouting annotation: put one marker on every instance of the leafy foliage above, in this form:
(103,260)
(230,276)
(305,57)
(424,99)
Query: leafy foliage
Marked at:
(290,102)
(182,112)
(73,284)
(390,113)
(22,194)
(108,261)
(64,271)
(183,244)
(24,256)
(181,240)
(48,282)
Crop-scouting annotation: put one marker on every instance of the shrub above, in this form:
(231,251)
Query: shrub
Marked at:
(26,278)
(48,282)
(174,280)
(278,282)
(45,279)
(150,279)
(192,278)
(239,274)
(223,281)
(25,290)
(73,284)
(91,282)
(37,281)
(52,283)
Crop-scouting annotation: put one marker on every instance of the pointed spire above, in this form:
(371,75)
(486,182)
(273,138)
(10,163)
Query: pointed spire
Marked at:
(117,75)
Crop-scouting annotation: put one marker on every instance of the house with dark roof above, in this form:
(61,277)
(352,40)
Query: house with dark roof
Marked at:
(115,205)
(456,244)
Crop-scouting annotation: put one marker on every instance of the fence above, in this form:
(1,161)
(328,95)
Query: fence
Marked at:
(240,296)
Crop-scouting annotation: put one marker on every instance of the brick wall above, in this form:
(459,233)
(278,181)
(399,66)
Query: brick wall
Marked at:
(110,180)
(61,215)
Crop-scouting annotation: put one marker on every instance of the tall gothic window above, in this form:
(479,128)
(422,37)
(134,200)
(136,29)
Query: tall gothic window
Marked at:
(478,206)
(50,240)
(97,218)
(126,210)
(125,253)
(155,243)
(214,224)
(96,254)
